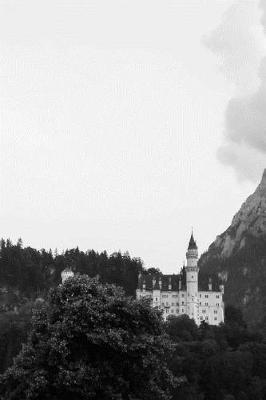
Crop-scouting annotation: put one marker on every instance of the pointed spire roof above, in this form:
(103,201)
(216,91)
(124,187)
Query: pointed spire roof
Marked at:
(192,244)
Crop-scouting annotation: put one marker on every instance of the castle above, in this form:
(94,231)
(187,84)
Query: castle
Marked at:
(179,294)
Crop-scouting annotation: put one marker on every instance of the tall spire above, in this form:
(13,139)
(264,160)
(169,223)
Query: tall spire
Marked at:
(192,244)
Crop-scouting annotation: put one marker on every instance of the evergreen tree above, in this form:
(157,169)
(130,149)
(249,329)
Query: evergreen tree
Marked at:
(91,342)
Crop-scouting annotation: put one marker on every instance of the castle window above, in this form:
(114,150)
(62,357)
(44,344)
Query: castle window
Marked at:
(183,295)
(183,303)
(176,311)
(217,304)
(162,304)
(177,304)
(206,296)
(182,310)
(203,311)
(172,311)
(217,296)
(206,304)
(173,304)
(215,311)
(215,318)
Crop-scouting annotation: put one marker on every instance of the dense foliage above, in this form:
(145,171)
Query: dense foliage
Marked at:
(14,330)
(30,272)
(224,363)
(90,341)
(218,363)
(27,274)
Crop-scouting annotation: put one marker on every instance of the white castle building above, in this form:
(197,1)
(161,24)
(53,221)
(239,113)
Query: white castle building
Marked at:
(66,273)
(180,294)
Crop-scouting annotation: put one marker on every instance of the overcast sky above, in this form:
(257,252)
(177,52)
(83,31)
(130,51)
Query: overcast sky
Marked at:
(114,122)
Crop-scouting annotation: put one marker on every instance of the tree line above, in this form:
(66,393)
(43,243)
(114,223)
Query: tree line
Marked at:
(27,275)
(142,356)
(31,273)
(89,340)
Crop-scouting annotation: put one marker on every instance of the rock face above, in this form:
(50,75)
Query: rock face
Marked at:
(238,256)
(250,219)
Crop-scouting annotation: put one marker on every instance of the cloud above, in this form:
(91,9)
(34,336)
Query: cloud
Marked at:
(240,44)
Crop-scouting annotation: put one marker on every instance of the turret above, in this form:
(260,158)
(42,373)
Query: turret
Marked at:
(66,273)
(192,278)
(192,253)
(192,263)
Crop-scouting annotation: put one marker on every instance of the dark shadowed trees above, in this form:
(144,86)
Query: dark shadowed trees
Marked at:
(91,342)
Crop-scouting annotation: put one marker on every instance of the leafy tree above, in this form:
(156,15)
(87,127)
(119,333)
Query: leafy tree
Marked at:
(91,342)
(233,315)
(181,328)
(13,331)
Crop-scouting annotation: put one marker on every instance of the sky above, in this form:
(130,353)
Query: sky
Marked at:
(126,123)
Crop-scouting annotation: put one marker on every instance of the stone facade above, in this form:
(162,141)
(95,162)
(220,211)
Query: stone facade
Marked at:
(180,294)
(66,273)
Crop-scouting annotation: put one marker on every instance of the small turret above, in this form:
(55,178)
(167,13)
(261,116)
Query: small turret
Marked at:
(66,273)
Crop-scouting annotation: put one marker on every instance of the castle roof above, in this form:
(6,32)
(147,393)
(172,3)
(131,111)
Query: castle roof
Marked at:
(155,281)
(192,244)
(161,282)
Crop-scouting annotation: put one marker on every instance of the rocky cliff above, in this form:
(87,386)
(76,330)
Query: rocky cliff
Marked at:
(238,256)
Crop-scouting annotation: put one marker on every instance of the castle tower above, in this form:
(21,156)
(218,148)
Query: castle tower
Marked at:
(66,273)
(192,279)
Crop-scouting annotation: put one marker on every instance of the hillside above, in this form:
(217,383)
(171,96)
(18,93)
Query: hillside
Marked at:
(238,256)
(27,274)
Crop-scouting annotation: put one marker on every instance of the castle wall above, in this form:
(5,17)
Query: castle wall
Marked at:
(207,306)
(211,307)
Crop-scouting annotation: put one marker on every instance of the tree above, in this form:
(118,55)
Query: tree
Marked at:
(181,328)
(91,342)
(234,315)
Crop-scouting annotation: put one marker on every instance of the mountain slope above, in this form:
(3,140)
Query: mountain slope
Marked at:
(238,256)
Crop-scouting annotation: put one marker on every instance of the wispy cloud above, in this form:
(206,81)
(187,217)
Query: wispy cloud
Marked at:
(239,42)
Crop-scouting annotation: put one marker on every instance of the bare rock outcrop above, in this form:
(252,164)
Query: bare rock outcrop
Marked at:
(250,219)
(238,257)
